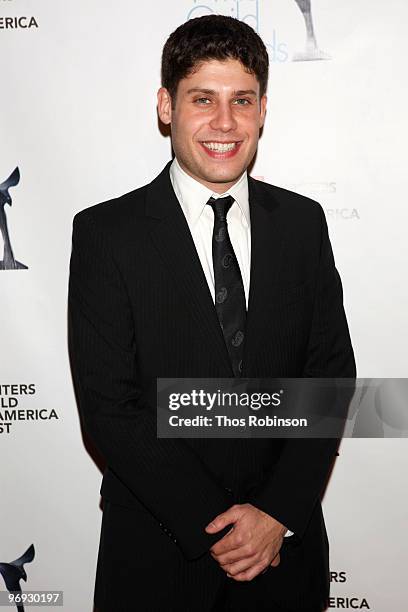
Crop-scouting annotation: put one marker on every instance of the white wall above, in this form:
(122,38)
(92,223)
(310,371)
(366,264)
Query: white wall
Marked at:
(78,117)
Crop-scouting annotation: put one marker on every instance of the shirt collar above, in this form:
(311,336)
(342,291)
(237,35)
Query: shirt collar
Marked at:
(193,195)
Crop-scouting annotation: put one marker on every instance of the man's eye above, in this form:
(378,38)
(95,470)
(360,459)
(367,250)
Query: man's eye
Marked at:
(201,99)
(246,102)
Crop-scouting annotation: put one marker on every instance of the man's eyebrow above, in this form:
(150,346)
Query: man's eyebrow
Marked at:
(212,92)
(245,92)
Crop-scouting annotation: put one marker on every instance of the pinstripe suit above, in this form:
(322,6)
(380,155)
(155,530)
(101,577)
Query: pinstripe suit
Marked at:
(139,308)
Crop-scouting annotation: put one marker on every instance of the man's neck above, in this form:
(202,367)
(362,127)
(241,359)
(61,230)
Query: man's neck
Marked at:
(214,187)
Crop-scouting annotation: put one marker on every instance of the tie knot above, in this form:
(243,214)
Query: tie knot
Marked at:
(221,206)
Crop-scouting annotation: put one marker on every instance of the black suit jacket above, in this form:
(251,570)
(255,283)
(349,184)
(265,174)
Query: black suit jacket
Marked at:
(140,308)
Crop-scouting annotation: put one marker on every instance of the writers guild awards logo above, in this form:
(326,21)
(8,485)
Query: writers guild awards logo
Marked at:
(14,571)
(311,51)
(244,10)
(8,263)
(248,11)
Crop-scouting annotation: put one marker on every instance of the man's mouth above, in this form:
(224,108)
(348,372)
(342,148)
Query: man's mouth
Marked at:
(224,149)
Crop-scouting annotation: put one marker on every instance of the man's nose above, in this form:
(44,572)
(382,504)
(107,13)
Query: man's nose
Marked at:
(223,118)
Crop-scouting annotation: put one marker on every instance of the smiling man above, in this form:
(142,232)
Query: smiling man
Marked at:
(206,272)
(215,118)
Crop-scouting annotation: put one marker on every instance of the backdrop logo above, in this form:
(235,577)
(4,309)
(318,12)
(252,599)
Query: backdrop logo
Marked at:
(245,10)
(312,188)
(311,51)
(14,571)
(8,263)
(342,214)
(15,23)
(248,11)
(346,602)
(12,412)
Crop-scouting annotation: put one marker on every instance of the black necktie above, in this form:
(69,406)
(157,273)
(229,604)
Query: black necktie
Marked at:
(229,289)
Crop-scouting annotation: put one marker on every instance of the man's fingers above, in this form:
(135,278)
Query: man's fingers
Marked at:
(249,574)
(233,555)
(230,542)
(276,560)
(222,520)
(248,568)
(240,566)
(252,572)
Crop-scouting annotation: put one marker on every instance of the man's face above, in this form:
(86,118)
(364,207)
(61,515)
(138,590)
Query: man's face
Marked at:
(215,123)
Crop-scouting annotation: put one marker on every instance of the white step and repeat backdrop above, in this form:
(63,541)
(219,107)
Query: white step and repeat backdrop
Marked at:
(78,119)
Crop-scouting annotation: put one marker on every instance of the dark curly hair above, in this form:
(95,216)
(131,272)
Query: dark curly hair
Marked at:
(212,37)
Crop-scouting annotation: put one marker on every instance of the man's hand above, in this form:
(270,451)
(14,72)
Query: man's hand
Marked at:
(252,544)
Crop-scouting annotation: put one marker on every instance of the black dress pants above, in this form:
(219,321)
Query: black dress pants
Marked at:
(230,599)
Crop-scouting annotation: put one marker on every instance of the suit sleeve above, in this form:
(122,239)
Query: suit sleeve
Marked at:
(291,492)
(117,412)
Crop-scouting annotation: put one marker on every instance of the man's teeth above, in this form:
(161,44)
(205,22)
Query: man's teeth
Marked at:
(222,147)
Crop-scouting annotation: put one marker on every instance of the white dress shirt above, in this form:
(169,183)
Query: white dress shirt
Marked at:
(193,197)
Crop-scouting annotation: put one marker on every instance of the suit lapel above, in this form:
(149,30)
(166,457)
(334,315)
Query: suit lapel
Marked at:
(173,240)
(266,254)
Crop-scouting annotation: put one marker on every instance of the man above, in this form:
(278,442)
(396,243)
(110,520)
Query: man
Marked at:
(206,272)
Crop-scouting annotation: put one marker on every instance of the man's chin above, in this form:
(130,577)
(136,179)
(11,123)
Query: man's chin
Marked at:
(227,176)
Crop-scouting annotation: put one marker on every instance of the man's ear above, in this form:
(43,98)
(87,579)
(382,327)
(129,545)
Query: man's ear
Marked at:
(263,110)
(164,105)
